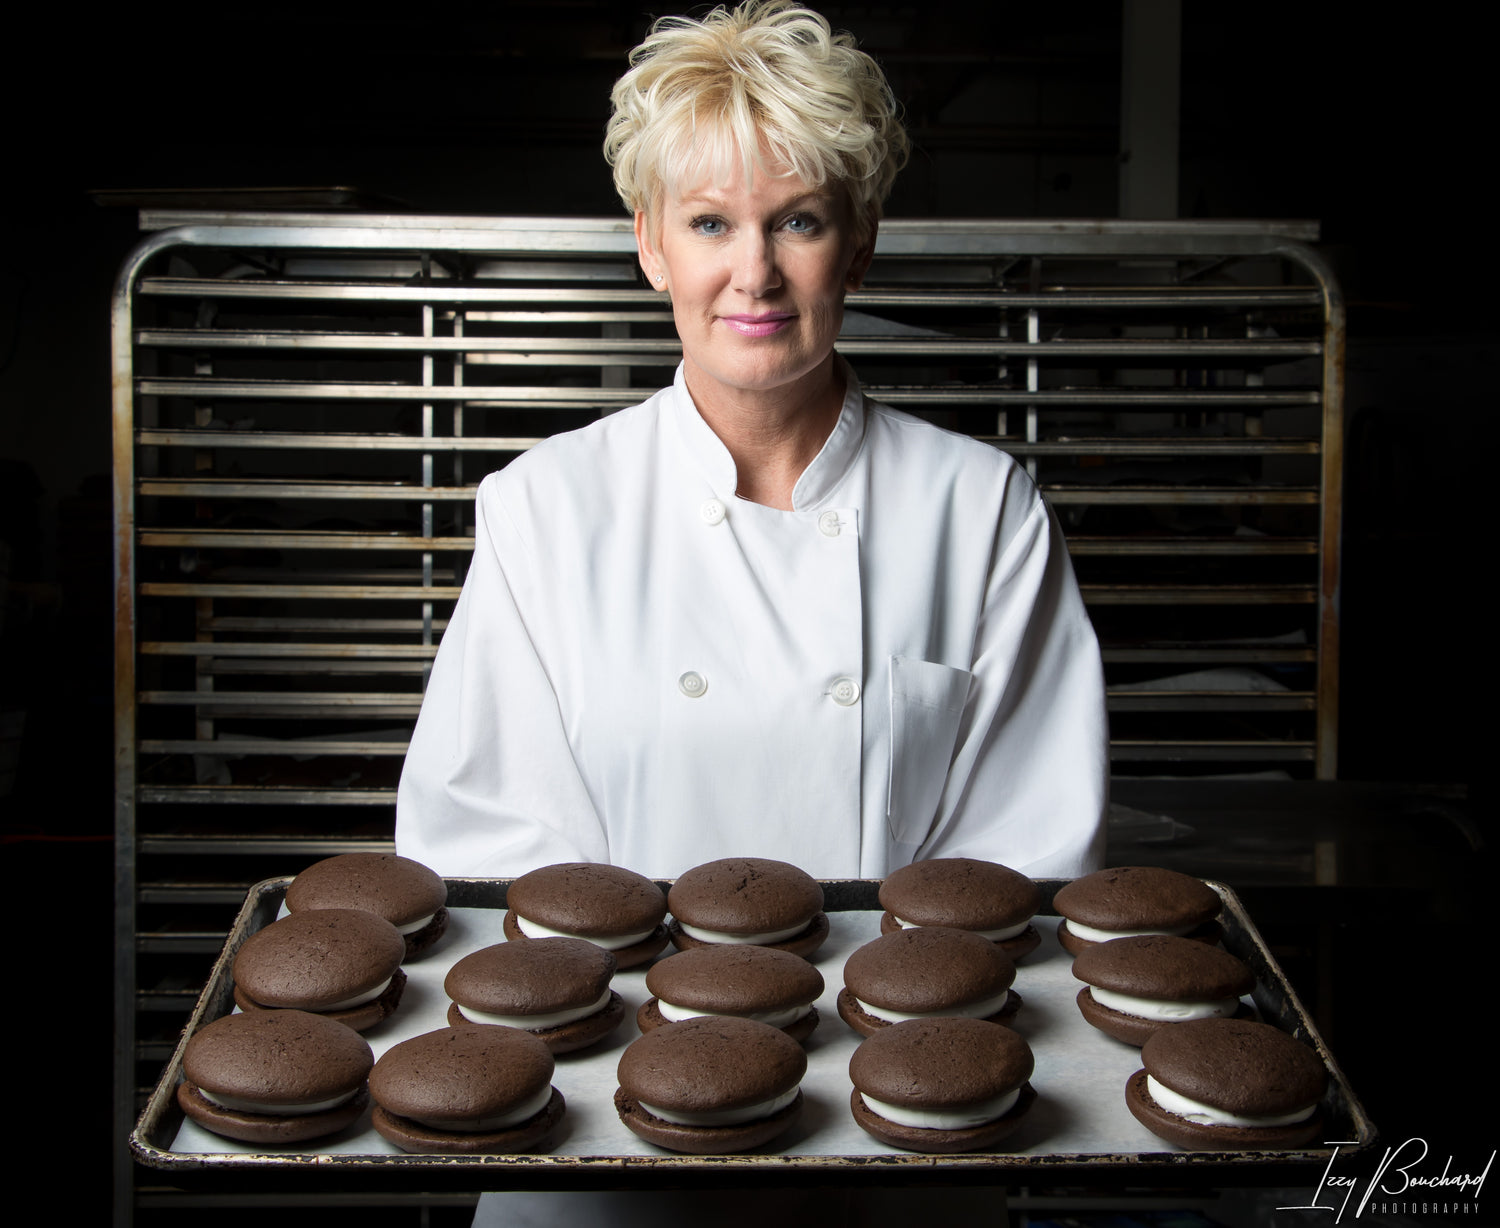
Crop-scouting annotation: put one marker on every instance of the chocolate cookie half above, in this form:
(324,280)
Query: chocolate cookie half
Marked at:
(341,962)
(1228,1084)
(963,893)
(275,1077)
(1132,986)
(610,906)
(753,901)
(711,1086)
(1131,900)
(556,988)
(941,1085)
(750,982)
(470,1089)
(927,972)
(405,892)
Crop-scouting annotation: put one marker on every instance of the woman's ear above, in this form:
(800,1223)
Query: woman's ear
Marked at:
(859,265)
(646,252)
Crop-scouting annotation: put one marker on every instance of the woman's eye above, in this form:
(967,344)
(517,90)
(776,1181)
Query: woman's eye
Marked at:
(709,226)
(802,223)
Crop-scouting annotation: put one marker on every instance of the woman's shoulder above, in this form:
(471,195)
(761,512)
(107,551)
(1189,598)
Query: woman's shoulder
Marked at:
(919,446)
(582,459)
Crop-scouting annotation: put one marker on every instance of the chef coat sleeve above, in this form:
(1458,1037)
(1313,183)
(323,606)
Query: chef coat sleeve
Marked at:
(490,787)
(1029,780)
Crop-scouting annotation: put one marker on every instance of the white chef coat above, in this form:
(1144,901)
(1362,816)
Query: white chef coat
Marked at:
(647,670)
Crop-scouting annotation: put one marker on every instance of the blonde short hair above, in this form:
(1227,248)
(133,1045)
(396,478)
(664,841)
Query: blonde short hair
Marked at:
(766,83)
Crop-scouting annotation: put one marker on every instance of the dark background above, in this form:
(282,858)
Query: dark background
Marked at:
(1383,132)
(1287,110)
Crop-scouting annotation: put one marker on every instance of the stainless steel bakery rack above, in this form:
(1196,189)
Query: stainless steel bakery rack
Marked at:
(304,404)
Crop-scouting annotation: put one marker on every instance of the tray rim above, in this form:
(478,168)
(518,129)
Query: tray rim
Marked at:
(531,1170)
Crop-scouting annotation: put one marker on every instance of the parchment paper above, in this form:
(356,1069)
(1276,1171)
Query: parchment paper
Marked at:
(1080,1072)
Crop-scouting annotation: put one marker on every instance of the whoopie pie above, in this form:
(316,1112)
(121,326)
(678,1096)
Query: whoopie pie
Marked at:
(341,962)
(1132,986)
(748,901)
(275,1077)
(610,906)
(966,894)
(711,1085)
(760,983)
(556,988)
(926,972)
(1130,900)
(405,892)
(941,1085)
(470,1089)
(1228,1084)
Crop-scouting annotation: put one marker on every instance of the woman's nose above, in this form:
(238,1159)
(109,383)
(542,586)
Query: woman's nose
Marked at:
(755,270)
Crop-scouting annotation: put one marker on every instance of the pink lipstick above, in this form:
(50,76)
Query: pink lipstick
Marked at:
(762,325)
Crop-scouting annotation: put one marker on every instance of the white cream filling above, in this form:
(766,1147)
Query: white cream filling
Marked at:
(1207,1115)
(500,1121)
(547,1019)
(1166,1012)
(411,927)
(981,1009)
(964,1117)
(703,935)
(724,1117)
(610,942)
(673,1013)
(1090,934)
(239,1104)
(1000,935)
(359,999)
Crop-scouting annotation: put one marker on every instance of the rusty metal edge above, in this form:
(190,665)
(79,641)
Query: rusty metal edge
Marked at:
(122,411)
(1331,506)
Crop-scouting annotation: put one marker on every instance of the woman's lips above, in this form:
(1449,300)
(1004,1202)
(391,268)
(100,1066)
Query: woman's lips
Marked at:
(758,325)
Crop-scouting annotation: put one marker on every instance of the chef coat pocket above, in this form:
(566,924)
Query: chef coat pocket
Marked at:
(927,704)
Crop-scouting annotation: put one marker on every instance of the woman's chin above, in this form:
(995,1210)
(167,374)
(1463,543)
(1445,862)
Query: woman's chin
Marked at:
(784,374)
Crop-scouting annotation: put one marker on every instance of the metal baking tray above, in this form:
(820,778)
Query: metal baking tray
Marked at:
(1078,1131)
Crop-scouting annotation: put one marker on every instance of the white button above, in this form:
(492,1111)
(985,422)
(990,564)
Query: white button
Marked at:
(844,692)
(692,684)
(828,524)
(712,512)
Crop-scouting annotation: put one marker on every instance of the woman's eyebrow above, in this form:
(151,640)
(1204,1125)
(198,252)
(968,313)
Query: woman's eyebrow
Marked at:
(717,198)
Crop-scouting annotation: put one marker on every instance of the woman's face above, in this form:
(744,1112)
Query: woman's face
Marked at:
(757,274)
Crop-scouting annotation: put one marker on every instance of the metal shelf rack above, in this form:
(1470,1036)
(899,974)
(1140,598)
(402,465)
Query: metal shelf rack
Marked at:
(305,403)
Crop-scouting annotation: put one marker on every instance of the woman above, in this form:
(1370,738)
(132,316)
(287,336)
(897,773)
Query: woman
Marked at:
(757,614)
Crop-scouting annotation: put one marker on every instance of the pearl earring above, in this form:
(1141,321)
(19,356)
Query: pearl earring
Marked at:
(658,277)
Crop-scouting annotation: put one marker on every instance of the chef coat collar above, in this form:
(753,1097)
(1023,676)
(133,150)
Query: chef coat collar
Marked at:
(821,477)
